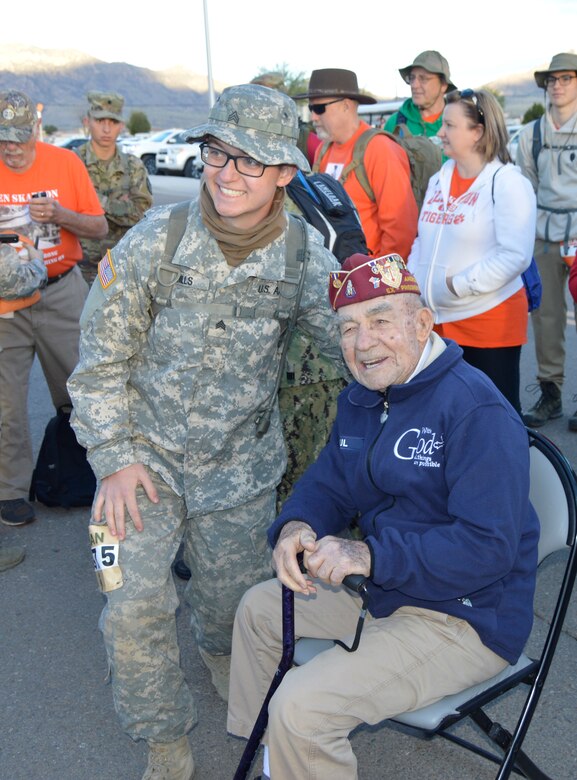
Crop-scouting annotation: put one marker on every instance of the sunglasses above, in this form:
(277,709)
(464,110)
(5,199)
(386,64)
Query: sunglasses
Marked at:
(470,94)
(322,107)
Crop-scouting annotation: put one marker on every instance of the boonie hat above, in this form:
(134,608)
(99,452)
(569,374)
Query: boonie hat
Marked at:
(362,278)
(263,122)
(105,105)
(18,117)
(433,62)
(563,61)
(335,82)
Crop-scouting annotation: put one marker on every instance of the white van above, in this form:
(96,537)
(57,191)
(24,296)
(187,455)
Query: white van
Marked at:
(378,113)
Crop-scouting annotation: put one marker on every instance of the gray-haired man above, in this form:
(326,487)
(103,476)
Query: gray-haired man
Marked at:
(167,400)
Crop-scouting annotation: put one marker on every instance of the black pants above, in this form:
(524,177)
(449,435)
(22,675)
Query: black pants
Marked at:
(501,364)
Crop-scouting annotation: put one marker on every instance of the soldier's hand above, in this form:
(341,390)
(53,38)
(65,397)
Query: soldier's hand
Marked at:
(295,537)
(117,495)
(333,558)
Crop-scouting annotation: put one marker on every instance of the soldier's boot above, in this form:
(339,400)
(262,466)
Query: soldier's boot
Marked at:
(10,557)
(548,407)
(169,761)
(219,668)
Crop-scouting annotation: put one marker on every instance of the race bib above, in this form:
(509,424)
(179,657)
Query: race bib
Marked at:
(105,556)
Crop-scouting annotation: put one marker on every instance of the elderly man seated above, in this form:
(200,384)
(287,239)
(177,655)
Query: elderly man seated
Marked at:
(434,463)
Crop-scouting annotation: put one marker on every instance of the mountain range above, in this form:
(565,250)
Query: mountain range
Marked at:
(60,79)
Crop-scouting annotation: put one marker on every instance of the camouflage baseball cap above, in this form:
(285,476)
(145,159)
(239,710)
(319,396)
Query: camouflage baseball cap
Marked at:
(105,105)
(18,117)
(433,62)
(261,121)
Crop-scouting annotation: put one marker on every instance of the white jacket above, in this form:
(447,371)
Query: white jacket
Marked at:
(484,240)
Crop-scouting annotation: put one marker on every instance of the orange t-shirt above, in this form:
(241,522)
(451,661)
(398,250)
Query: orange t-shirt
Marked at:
(432,119)
(62,175)
(505,325)
(390,222)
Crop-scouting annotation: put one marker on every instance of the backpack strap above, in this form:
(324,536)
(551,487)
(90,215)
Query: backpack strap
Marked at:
(537,144)
(167,273)
(297,259)
(318,159)
(357,164)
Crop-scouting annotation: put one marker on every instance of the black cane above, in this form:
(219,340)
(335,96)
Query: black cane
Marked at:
(288,648)
(355,582)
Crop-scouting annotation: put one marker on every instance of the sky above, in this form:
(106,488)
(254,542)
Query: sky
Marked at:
(482,41)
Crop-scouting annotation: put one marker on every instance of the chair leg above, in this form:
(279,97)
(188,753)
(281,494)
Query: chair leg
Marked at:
(503,738)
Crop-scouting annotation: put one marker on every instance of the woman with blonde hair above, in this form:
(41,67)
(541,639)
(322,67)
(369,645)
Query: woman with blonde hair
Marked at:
(475,239)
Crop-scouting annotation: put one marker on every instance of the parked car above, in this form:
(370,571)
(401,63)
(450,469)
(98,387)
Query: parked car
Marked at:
(179,158)
(146,148)
(70,142)
(514,133)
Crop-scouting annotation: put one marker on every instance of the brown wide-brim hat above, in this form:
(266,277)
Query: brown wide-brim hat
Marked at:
(563,61)
(335,83)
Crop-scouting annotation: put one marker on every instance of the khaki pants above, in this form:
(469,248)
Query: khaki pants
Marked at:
(550,319)
(404,662)
(227,552)
(50,330)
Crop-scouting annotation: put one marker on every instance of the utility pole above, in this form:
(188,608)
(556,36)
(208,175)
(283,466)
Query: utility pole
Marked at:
(208,58)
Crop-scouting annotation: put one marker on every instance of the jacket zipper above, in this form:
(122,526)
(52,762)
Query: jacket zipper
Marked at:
(383,419)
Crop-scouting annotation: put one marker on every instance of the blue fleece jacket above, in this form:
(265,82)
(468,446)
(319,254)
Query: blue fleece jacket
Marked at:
(441,489)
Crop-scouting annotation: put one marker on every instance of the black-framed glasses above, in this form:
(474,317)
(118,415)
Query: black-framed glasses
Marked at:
(322,107)
(470,94)
(218,158)
(564,80)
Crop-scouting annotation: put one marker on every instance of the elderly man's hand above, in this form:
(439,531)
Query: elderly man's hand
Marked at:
(295,537)
(333,558)
(43,210)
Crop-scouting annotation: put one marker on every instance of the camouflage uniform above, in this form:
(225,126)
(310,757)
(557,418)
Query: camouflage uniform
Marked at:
(124,191)
(18,278)
(121,183)
(307,398)
(180,392)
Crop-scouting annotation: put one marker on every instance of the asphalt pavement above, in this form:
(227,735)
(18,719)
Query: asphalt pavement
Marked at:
(57,719)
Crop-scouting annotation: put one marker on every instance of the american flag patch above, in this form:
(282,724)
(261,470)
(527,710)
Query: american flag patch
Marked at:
(106,272)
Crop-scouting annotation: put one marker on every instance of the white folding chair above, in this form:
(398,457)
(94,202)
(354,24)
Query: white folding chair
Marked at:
(553,493)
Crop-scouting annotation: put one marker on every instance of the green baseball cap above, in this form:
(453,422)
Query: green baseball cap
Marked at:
(433,62)
(18,117)
(563,61)
(105,105)
(263,122)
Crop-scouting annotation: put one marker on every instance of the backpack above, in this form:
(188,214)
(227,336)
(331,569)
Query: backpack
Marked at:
(325,204)
(62,476)
(537,144)
(425,159)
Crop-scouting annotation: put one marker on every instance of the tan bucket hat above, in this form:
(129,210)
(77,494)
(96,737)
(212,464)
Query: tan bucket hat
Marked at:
(433,62)
(563,61)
